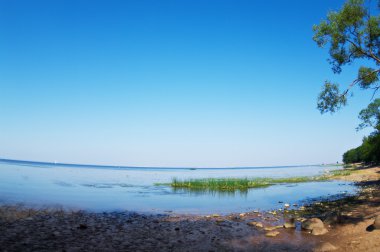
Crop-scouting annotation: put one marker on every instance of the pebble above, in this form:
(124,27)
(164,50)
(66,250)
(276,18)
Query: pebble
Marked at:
(272,228)
(272,234)
(259,225)
(255,224)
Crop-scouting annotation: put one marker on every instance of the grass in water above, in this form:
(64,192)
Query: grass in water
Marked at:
(336,173)
(243,184)
(232,184)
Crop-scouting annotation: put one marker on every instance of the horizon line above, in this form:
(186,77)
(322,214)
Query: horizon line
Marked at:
(146,167)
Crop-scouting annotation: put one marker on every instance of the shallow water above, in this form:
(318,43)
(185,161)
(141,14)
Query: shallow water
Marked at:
(97,188)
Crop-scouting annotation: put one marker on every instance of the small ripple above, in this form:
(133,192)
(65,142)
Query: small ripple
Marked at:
(64,184)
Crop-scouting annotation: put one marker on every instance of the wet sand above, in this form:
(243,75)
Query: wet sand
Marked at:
(47,230)
(25,229)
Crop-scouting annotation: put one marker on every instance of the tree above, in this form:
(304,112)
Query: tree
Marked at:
(352,34)
(369,151)
(370,116)
(352,156)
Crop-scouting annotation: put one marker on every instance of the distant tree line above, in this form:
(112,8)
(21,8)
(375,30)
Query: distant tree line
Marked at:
(369,151)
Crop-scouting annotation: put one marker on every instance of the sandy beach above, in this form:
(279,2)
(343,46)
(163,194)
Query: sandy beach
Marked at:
(348,222)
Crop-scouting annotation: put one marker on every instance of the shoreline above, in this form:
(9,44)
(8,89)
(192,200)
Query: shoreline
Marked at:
(347,220)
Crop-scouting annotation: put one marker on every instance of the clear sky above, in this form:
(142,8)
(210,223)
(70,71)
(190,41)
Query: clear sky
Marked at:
(203,83)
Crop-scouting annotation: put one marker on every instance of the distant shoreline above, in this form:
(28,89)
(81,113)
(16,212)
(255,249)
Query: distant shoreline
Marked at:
(43,163)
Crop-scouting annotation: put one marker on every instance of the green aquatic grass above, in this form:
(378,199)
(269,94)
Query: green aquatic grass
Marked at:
(243,184)
(336,173)
(232,184)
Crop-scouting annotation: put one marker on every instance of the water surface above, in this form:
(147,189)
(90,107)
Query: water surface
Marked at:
(109,188)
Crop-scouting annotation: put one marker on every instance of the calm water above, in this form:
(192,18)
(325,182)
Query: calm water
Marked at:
(98,188)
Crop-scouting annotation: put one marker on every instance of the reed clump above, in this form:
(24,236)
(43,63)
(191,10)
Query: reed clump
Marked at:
(232,184)
(243,184)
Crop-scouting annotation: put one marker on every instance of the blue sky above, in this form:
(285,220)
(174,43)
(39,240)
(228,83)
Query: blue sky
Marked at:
(169,83)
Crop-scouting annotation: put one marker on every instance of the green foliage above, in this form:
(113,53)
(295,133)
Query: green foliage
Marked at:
(368,152)
(343,172)
(352,156)
(329,99)
(243,184)
(367,76)
(227,185)
(352,34)
(370,116)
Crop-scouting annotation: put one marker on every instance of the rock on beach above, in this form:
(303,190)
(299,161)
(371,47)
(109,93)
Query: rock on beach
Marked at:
(312,223)
(272,234)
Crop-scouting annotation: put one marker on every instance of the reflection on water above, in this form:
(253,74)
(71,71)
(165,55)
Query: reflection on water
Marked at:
(115,188)
(205,191)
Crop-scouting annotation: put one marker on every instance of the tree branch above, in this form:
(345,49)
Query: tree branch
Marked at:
(374,92)
(356,82)
(370,55)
